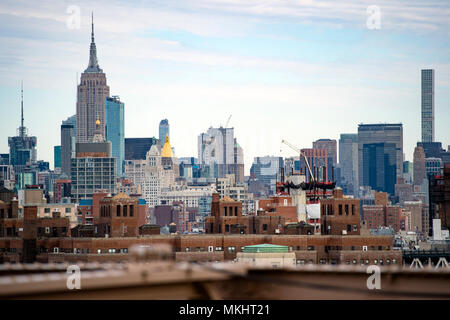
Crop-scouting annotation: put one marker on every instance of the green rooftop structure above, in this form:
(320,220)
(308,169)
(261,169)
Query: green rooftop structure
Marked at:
(265,248)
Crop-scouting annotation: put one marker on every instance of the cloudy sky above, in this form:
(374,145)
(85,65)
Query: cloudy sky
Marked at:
(295,70)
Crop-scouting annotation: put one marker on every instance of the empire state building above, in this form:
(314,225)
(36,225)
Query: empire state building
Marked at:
(91,95)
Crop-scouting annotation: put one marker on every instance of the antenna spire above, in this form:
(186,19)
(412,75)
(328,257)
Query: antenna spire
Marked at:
(92,26)
(21,107)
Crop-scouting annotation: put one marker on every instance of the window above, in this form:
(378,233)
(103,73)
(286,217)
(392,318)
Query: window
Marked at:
(394,261)
(68,210)
(46,210)
(227,228)
(218,248)
(118,210)
(310,248)
(264,227)
(225,211)
(353,209)
(354,261)
(353,248)
(375,261)
(235,211)
(340,209)
(131,210)
(346,209)
(188,249)
(125,211)
(355,228)
(231,249)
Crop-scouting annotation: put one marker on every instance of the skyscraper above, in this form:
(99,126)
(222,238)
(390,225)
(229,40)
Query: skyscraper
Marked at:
(22,148)
(329,145)
(91,95)
(428,105)
(115,129)
(384,141)
(163,131)
(137,148)
(68,140)
(93,169)
(379,166)
(219,150)
(419,165)
(348,160)
(56,157)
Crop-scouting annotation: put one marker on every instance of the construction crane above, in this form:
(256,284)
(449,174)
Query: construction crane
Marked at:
(228,121)
(301,155)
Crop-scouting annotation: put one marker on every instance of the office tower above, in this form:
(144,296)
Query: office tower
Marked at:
(57,157)
(115,129)
(428,105)
(433,166)
(68,141)
(22,148)
(386,142)
(379,166)
(348,160)
(137,148)
(330,146)
(94,168)
(91,94)
(419,161)
(163,131)
(267,170)
(219,150)
(318,161)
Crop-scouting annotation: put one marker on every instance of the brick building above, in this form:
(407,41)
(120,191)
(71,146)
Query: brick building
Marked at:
(340,215)
(119,216)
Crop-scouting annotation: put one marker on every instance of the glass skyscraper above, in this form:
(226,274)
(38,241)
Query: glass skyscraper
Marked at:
(115,129)
(385,143)
(428,105)
(163,130)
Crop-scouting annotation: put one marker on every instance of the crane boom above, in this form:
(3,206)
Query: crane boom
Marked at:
(302,155)
(228,121)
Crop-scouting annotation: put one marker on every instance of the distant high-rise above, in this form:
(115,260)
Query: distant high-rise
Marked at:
(56,157)
(163,131)
(22,148)
(329,145)
(348,160)
(384,141)
(94,168)
(267,170)
(137,148)
(419,169)
(68,140)
(115,129)
(428,105)
(91,95)
(219,150)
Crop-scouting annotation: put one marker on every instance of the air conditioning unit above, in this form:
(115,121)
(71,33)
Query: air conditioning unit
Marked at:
(56,250)
(277,231)
(210,249)
(344,232)
(364,248)
(47,229)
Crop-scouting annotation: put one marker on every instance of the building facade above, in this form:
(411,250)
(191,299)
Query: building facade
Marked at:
(428,105)
(348,161)
(115,129)
(385,143)
(91,94)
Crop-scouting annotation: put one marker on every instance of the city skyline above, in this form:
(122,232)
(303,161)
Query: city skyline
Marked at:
(235,83)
